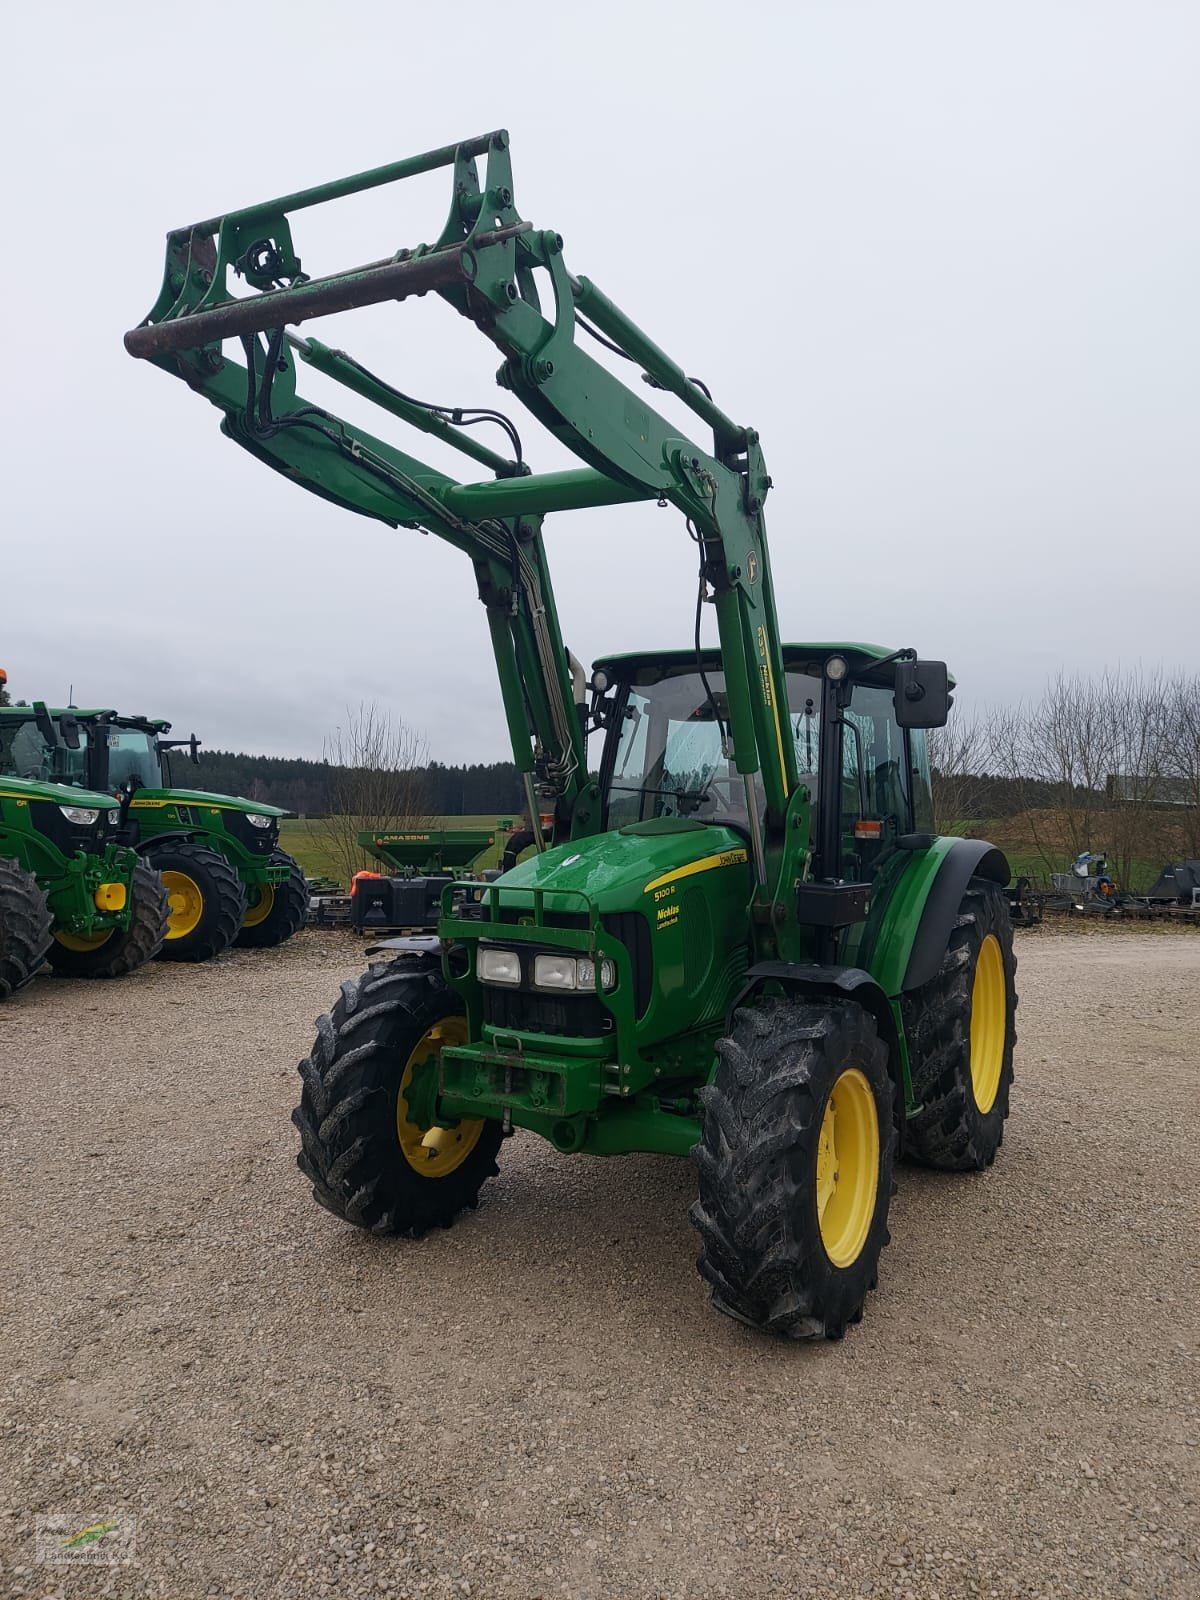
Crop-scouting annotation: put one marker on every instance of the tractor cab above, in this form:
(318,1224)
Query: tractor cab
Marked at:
(89,749)
(667,750)
(132,753)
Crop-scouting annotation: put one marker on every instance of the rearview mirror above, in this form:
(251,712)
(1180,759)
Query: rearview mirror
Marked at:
(70,731)
(923,698)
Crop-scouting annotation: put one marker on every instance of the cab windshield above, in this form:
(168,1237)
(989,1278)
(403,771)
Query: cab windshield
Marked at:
(672,761)
(132,753)
(24,753)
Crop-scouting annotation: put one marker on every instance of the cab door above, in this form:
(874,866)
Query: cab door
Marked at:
(876,782)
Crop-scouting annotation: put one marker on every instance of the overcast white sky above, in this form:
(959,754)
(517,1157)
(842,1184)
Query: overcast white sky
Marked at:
(945,257)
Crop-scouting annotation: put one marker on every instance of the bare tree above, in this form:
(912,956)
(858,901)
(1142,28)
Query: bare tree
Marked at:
(377,781)
(1088,760)
(1138,819)
(1181,704)
(958,759)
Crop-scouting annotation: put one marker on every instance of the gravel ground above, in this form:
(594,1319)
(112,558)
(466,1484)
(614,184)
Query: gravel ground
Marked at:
(540,1402)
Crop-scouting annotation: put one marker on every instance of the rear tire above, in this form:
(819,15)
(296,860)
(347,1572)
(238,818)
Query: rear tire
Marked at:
(796,1167)
(961,1032)
(121,952)
(272,918)
(362,1145)
(207,901)
(25,925)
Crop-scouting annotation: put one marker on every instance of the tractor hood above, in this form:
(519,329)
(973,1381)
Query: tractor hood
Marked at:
(197,797)
(60,793)
(616,870)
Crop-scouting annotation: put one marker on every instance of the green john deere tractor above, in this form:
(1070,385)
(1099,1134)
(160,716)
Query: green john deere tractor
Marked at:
(69,893)
(227,880)
(743,940)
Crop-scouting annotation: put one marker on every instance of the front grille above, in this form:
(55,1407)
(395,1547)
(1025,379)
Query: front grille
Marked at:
(259,841)
(68,836)
(581,1015)
(632,929)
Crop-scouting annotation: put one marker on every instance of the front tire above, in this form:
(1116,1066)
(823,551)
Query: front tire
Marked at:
(25,925)
(207,901)
(275,911)
(796,1167)
(370,1143)
(117,954)
(961,1029)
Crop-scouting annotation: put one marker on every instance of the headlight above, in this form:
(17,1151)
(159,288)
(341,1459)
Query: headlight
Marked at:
(85,816)
(587,974)
(257,820)
(498,966)
(571,972)
(555,972)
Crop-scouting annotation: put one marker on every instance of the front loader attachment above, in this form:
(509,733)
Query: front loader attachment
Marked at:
(511,280)
(484,263)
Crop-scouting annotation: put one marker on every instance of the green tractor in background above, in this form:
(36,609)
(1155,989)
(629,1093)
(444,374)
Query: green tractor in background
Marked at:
(70,893)
(741,939)
(227,880)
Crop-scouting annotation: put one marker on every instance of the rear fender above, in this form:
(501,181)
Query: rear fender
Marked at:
(966,859)
(916,910)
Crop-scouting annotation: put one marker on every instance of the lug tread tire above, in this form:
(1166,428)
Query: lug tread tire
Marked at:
(25,924)
(124,952)
(224,900)
(288,914)
(756,1215)
(949,1132)
(349,1149)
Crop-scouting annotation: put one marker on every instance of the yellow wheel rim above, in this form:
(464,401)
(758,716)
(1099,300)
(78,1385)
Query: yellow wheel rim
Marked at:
(84,941)
(847,1167)
(989,1023)
(185,899)
(260,900)
(434,1152)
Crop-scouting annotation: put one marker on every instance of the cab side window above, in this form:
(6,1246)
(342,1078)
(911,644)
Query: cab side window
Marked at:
(876,783)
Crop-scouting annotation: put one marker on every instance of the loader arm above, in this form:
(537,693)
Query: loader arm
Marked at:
(512,281)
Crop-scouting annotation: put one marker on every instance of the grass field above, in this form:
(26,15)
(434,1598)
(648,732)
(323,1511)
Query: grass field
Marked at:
(306,839)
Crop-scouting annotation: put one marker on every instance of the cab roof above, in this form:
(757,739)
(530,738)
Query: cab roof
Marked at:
(90,714)
(627,664)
